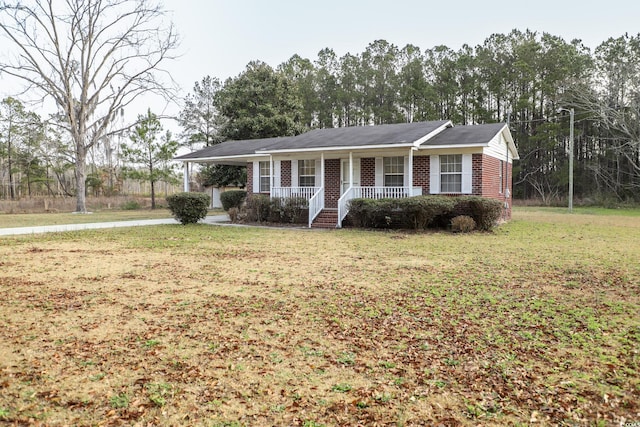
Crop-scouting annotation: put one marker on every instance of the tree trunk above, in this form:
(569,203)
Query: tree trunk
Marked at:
(81,175)
(11,189)
(153,194)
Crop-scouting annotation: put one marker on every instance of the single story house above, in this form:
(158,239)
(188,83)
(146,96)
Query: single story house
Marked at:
(331,166)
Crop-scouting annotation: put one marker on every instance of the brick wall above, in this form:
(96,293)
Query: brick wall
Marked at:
(476,177)
(249,177)
(368,172)
(285,173)
(331,183)
(421,168)
(489,180)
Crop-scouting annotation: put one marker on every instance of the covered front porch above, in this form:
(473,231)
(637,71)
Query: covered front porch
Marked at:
(339,179)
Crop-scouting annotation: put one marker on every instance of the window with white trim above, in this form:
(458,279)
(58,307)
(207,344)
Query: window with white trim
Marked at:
(451,173)
(306,173)
(501,175)
(265,177)
(393,171)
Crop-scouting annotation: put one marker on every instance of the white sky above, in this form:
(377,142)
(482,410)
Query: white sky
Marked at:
(219,37)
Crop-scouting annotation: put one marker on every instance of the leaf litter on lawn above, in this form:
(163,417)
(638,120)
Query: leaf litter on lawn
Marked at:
(203,325)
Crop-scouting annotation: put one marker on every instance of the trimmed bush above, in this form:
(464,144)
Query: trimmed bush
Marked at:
(485,212)
(232,199)
(420,212)
(293,209)
(258,208)
(188,208)
(462,224)
(372,213)
(356,215)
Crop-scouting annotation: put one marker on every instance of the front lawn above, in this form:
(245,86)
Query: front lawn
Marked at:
(536,322)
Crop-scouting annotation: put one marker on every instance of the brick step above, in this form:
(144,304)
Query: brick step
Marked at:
(326,219)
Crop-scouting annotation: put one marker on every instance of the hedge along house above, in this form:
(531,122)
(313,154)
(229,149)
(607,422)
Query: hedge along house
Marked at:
(329,167)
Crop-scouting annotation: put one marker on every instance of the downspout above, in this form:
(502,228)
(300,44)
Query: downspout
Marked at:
(506,183)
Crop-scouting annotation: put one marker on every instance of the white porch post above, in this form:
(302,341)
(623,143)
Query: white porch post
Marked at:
(411,171)
(321,169)
(270,174)
(185,178)
(350,169)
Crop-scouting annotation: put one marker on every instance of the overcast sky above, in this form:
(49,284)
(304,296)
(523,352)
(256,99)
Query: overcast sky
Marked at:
(219,37)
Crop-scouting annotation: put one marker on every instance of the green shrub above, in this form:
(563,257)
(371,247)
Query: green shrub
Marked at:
(356,214)
(131,205)
(188,208)
(232,199)
(462,224)
(293,209)
(373,213)
(258,208)
(420,212)
(485,212)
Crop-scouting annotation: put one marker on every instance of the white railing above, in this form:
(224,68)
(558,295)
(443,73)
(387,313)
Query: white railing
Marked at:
(316,204)
(372,193)
(304,192)
(385,192)
(343,205)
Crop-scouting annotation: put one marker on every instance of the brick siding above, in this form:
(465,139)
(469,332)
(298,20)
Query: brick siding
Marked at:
(285,173)
(368,172)
(421,171)
(487,169)
(331,183)
(249,178)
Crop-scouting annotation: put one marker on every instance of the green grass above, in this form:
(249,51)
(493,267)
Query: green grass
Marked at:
(582,210)
(537,320)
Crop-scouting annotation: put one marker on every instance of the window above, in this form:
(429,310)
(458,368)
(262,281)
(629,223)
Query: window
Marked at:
(265,177)
(501,175)
(306,173)
(393,171)
(451,173)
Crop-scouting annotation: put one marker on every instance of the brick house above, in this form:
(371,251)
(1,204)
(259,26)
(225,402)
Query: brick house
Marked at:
(330,166)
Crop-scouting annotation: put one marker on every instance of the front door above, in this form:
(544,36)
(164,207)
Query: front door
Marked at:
(344,175)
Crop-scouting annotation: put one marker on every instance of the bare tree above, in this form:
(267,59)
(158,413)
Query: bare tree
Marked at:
(92,57)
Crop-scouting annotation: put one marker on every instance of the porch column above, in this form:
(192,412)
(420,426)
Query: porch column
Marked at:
(350,169)
(271,174)
(185,177)
(321,169)
(411,171)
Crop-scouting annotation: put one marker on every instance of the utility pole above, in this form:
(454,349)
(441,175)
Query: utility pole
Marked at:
(571,125)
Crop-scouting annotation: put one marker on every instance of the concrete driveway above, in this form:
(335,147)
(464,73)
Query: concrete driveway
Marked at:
(213,219)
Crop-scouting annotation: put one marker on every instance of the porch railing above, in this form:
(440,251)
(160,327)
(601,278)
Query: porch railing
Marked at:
(304,192)
(316,204)
(372,193)
(385,192)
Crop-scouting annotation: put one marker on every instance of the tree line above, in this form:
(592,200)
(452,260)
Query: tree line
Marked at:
(522,78)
